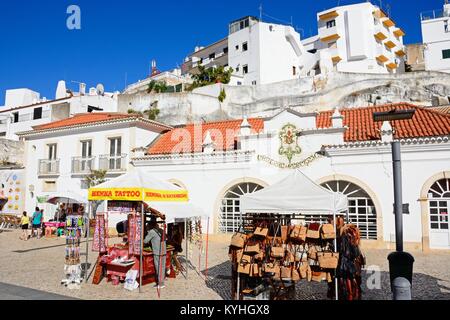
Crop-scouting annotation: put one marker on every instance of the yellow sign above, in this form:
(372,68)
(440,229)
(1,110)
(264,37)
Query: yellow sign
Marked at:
(137,194)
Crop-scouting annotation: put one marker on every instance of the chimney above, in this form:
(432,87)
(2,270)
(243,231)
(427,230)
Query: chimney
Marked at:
(82,89)
(245,127)
(139,152)
(387,133)
(61,90)
(208,144)
(337,119)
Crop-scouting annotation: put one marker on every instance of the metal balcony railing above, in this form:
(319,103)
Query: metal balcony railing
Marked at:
(433,14)
(113,163)
(82,165)
(48,167)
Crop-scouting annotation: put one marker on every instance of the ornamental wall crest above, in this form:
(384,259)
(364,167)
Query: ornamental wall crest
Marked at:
(289,142)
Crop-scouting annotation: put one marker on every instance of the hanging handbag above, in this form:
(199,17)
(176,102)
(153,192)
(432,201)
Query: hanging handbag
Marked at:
(328,260)
(262,232)
(299,233)
(245,265)
(313,231)
(271,268)
(318,276)
(286,273)
(253,249)
(277,252)
(284,233)
(312,253)
(327,232)
(238,240)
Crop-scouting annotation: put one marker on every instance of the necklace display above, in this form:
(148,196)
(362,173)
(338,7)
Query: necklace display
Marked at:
(72,268)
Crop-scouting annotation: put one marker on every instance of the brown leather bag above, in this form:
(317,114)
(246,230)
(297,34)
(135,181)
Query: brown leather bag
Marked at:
(328,260)
(299,233)
(318,276)
(253,249)
(303,269)
(277,252)
(238,240)
(262,232)
(286,272)
(313,231)
(327,232)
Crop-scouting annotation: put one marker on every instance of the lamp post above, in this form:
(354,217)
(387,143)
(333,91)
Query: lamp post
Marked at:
(400,262)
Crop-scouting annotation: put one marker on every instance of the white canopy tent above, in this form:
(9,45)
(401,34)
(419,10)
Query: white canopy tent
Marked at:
(294,194)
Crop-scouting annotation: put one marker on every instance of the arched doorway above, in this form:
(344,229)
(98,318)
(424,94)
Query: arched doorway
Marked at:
(230,210)
(439,209)
(361,208)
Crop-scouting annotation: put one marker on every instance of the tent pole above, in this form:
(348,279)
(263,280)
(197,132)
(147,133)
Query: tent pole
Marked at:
(163,246)
(335,249)
(142,247)
(207,247)
(187,247)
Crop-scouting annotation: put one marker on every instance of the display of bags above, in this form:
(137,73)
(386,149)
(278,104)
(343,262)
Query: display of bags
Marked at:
(328,260)
(328,232)
(238,240)
(277,252)
(313,231)
(262,232)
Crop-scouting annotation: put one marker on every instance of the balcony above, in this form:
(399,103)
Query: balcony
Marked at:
(433,14)
(329,15)
(82,165)
(113,163)
(399,33)
(329,38)
(335,55)
(380,14)
(48,167)
(390,45)
(388,22)
(400,53)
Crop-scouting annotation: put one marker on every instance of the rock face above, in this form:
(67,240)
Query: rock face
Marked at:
(322,92)
(11,153)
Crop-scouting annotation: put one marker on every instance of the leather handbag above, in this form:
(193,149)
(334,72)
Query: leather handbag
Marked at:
(299,233)
(284,233)
(328,260)
(327,232)
(238,240)
(253,249)
(271,268)
(277,252)
(312,253)
(286,272)
(245,265)
(262,232)
(313,231)
(318,276)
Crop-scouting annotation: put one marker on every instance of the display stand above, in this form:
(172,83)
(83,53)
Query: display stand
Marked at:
(72,267)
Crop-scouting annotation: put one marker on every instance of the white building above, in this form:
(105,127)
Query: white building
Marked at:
(258,52)
(359,38)
(24,108)
(59,155)
(436,38)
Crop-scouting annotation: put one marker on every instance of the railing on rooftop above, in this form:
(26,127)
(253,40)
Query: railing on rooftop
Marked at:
(433,14)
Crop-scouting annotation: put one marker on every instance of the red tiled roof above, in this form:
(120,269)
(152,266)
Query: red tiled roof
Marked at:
(361,127)
(84,118)
(189,138)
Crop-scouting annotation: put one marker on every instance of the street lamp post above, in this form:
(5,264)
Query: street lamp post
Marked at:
(400,262)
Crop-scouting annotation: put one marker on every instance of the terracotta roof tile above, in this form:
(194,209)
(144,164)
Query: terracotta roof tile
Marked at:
(361,127)
(84,118)
(189,138)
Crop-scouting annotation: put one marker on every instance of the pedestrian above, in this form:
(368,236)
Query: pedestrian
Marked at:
(24,222)
(36,222)
(154,237)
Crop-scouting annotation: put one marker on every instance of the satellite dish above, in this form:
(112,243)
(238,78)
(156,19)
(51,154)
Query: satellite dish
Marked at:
(100,89)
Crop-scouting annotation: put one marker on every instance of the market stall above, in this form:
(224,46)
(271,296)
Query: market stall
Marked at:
(138,187)
(288,233)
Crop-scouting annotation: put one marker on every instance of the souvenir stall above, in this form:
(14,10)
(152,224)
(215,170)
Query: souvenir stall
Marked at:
(56,228)
(74,227)
(288,234)
(132,258)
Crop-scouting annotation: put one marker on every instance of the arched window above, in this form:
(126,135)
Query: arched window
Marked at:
(229,220)
(361,209)
(439,198)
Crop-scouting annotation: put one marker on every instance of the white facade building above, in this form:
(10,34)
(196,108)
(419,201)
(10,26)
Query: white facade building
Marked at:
(358,38)
(436,38)
(61,154)
(24,108)
(258,52)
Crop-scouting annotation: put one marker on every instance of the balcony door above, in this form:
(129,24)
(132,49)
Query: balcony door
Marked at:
(115,153)
(52,158)
(86,155)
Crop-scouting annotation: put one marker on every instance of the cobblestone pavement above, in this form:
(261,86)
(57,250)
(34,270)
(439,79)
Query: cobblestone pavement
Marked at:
(38,264)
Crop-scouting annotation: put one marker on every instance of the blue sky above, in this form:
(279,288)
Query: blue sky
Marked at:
(118,39)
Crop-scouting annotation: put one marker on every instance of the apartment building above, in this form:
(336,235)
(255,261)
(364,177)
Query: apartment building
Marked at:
(359,38)
(259,53)
(24,108)
(436,38)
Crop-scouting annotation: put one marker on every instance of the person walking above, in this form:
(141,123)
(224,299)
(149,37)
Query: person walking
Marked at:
(36,222)
(155,238)
(24,222)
